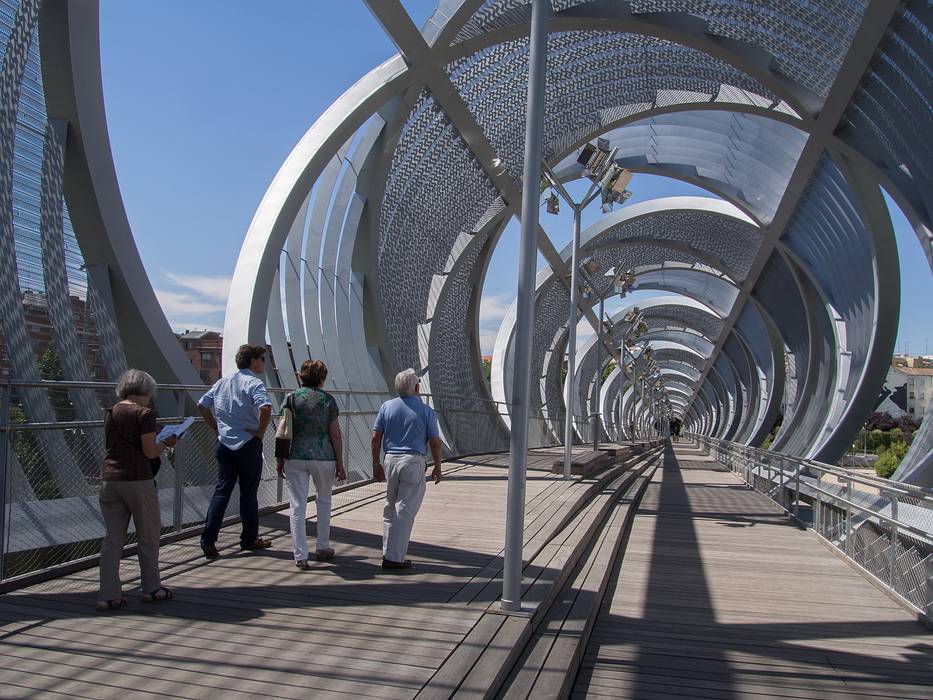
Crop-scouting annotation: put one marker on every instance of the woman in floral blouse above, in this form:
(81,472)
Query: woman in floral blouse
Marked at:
(316,453)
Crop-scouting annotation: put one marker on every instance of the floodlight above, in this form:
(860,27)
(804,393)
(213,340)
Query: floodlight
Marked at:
(553,203)
(586,154)
(624,282)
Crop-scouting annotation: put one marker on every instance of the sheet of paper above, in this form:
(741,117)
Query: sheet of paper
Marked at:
(176,430)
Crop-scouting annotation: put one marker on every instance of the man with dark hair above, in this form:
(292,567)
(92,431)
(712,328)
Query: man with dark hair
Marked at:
(237,408)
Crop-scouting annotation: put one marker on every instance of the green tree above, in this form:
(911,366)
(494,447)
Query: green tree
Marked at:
(50,369)
(890,458)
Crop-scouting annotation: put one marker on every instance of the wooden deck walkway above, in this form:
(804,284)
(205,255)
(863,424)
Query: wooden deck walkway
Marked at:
(252,625)
(720,596)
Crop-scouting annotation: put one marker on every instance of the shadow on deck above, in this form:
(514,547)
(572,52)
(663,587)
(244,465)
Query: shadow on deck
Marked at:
(719,596)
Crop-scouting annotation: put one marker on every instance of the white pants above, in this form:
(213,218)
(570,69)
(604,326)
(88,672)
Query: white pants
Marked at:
(297,473)
(404,494)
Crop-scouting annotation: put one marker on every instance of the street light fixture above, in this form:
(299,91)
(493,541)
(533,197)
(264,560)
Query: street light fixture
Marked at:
(598,161)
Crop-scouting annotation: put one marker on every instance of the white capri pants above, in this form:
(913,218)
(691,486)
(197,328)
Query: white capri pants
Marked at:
(404,494)
(298,473)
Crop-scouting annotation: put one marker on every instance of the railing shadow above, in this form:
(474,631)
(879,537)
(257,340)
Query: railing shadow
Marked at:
(677,643)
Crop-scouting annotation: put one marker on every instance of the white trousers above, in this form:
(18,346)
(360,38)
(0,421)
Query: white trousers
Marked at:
(404,494)
(298,473)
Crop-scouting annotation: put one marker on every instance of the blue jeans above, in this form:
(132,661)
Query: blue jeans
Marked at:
(244,464)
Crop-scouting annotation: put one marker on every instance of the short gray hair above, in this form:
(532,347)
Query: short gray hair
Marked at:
(135,382)
(406,381)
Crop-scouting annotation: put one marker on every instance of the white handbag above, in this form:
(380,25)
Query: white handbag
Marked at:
(283,431)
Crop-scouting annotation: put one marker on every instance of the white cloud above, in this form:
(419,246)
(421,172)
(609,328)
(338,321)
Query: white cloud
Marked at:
(492,309)
(183,305)
(213,288)
(487,340)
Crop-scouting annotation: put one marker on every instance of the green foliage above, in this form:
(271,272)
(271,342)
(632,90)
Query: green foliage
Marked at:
(890,458)
(487,371)
(881,440)
(609,368)
(50,369)
(769,438)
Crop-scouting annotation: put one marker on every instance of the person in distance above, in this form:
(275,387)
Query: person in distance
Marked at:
(404,429)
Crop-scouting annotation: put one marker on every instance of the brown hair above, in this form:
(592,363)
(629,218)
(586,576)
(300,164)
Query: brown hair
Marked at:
(312,373)
(247,353)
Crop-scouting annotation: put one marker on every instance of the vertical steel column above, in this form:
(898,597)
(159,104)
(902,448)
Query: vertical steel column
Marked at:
(346,450)
(849,517)
(797,490)
(6,445)
(178,484)
(521,378)
(817,500)
(571,343)
(594,402)
(892,553)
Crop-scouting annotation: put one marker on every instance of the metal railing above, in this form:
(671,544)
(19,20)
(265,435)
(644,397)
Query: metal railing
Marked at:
(50,471)
(884,527)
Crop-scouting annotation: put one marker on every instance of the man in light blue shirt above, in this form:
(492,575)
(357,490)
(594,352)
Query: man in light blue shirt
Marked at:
(405,428)
(238,409)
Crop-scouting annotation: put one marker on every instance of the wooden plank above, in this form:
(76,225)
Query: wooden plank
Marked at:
(448,678)
(718,596)
(497,659)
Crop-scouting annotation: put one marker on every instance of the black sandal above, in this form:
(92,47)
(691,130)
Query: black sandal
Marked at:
(108,605)
(158,595)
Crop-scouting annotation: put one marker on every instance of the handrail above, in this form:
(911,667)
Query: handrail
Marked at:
(873,481)
(67,384)
(500,407)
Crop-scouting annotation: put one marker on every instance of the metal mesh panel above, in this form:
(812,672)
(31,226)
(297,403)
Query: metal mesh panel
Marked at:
(589,78)
(809,40)
(435,191)
(50,523)
(893,107)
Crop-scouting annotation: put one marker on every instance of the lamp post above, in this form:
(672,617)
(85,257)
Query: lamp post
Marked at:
(521,380)
(599,164)
(594,402)
(622,281)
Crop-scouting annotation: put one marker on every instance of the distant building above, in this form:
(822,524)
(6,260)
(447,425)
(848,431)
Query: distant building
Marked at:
(204,349)
(42,335)
(908,388)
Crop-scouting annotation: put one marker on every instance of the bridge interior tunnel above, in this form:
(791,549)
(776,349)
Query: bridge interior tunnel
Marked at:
(781,289)
(771,299)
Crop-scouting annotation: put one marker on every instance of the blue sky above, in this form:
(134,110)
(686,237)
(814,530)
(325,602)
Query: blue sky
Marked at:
(206,98)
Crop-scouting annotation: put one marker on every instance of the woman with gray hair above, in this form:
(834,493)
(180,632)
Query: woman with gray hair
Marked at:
(404,429)
(128,489)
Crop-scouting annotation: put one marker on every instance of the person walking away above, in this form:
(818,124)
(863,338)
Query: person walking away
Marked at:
(237,409)
(404,429)
(316,453)
(128,490)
